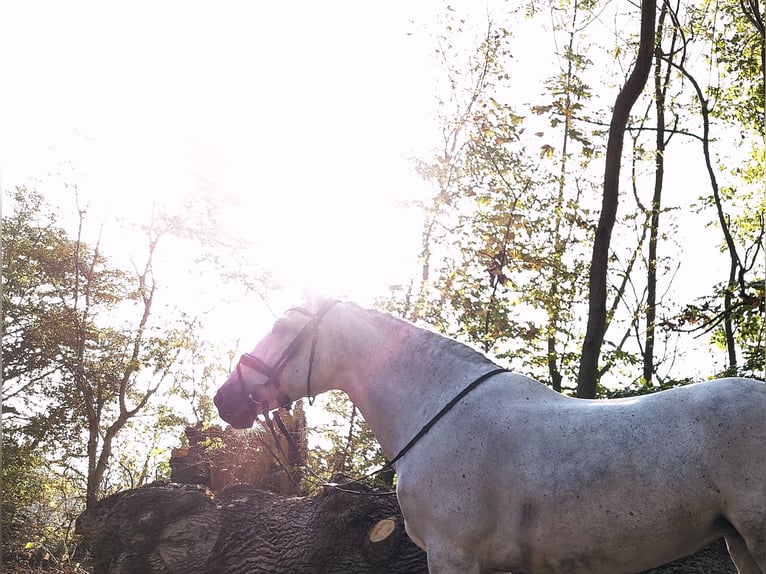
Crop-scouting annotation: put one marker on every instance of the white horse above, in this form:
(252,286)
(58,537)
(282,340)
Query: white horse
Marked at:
(516,477)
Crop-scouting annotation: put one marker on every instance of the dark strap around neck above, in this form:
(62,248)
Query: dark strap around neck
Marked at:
(427,427)
(390,464)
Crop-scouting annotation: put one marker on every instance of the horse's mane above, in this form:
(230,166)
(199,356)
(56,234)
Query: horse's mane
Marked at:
(434,340)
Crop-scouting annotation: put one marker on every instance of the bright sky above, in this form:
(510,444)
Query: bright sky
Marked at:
(304,114)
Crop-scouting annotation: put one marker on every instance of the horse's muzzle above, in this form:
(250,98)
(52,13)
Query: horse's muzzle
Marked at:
(239,417)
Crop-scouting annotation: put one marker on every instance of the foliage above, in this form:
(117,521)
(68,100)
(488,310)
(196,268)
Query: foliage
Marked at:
(510,214)
(503,257)
(220,458)
(734,310)
(503,262)
(735,33)
(347,445)
(22,489)
(81,362)
(39,509)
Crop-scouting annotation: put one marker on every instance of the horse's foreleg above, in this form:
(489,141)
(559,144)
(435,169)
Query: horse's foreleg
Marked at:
(741,556)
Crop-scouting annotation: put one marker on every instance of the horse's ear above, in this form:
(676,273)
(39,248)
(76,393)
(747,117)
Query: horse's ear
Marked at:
(312,298)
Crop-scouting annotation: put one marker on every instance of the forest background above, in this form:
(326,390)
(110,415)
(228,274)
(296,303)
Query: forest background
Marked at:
(170,180)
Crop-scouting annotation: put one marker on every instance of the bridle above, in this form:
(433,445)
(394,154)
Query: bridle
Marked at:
(272,372)
(261,406)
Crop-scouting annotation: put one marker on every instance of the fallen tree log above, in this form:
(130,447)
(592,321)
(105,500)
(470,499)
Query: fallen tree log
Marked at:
(188,529)
(175,529)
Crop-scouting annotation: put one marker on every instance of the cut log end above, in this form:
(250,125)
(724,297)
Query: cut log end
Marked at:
(382,529)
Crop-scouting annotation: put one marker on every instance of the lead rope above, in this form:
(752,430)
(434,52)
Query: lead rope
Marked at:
(390,464)
(292,448)
(291,469)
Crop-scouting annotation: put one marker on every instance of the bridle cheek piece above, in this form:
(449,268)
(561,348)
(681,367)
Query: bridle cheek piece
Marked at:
(260,404)
(258,395)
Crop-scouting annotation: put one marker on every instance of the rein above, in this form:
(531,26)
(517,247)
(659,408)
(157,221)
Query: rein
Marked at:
(445,409)
(272,375)
(390,464)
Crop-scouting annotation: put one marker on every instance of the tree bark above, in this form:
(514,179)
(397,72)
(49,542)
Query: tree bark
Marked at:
(587,378)
(660,90)
(553,305)
(735,263)
(164,529)
(167,529)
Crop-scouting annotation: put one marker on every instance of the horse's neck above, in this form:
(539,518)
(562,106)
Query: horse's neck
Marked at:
(400,376)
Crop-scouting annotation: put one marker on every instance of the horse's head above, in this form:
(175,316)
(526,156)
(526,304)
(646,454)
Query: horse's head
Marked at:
(277,371)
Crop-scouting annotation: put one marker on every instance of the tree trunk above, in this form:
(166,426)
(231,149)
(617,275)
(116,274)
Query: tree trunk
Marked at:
(660,89)
(183,528)
(588,374)
(553,306)
(735,263)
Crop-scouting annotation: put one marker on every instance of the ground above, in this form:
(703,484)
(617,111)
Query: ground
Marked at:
(710,560)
